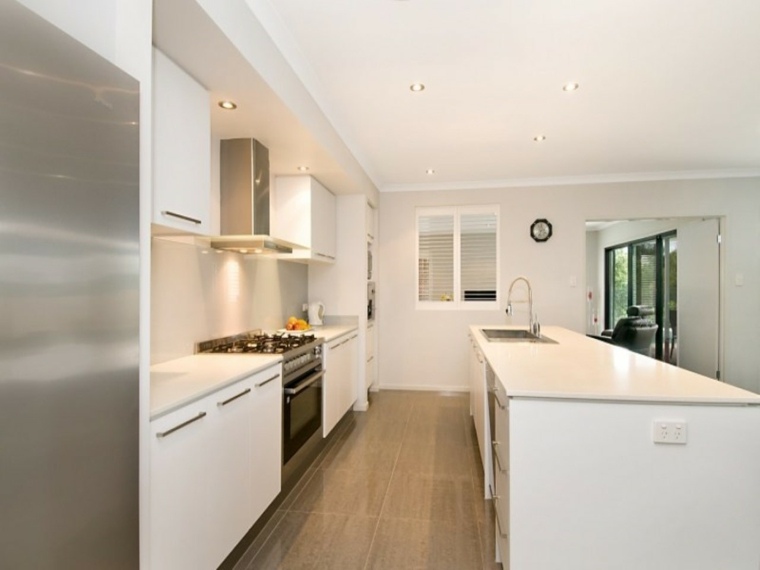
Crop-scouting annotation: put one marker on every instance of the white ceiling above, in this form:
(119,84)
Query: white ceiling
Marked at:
(665,86)
(667,89)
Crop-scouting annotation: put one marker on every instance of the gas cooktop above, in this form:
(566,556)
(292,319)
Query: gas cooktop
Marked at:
(256,342)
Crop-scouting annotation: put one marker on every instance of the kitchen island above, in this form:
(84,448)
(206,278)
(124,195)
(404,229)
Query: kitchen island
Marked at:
(608,459)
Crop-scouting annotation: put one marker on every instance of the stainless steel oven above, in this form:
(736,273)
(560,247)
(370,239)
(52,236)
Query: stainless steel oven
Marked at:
(302,402)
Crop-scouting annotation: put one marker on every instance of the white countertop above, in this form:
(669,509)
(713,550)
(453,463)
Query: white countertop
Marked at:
(176,383)
(331,332)
(579,367)
(182,381)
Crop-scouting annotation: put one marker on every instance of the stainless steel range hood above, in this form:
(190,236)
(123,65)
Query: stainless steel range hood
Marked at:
(244,196)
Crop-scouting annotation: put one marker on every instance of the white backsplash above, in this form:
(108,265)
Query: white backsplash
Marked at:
(198,293)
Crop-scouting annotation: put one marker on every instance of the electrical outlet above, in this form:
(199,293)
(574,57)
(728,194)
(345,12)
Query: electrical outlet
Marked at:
(305,307)
(669,431)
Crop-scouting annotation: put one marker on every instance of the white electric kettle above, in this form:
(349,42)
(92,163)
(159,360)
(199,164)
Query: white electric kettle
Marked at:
(316,312)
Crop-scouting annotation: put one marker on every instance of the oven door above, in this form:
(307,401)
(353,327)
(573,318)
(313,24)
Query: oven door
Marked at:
(302,411)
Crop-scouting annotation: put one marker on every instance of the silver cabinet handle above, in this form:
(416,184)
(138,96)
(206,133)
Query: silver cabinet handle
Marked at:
(181,217)
(324,255)
(495,392)
(267,381)
(370,359)
(180,426)
(305,384)
(228,400)
(494,446)
(496,516)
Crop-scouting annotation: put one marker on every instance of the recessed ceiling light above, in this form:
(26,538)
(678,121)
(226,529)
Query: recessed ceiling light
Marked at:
(570,86)
(430,171)
(303,168)
(228,105)
(417,87)
(539,138)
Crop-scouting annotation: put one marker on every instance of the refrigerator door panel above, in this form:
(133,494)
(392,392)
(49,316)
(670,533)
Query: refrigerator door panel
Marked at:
(69,254)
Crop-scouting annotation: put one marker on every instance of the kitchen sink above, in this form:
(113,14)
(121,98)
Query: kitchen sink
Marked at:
(514,335)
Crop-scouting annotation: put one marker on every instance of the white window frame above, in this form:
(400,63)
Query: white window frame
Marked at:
(457,303)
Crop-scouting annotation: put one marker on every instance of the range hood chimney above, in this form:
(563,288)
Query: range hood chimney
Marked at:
(244,197)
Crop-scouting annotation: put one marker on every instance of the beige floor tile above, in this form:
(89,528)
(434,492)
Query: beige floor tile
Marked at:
(435,458)
(406,544)
(360,453)
(317,541)
(430,497)
(346,491)
(399,487)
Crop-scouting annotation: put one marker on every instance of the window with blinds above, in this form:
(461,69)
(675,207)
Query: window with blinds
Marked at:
(457,257)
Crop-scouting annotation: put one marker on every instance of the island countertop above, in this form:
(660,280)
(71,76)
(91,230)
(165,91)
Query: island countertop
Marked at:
(578,367)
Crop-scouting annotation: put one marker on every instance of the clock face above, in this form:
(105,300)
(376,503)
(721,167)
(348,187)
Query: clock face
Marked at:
(541,230)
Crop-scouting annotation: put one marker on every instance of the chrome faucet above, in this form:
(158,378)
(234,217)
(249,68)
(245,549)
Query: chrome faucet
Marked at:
(534,325)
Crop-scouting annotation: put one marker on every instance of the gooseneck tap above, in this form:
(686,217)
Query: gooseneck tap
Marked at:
(535,327)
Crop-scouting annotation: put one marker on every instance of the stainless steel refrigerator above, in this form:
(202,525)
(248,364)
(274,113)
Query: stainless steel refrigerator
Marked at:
(69,256)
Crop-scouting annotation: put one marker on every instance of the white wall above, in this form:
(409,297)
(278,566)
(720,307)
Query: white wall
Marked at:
(199,293)
(428,349)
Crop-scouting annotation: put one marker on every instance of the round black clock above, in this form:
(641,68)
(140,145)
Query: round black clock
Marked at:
(541,230)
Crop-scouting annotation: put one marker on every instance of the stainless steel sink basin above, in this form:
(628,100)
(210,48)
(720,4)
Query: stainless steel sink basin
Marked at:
(514,335)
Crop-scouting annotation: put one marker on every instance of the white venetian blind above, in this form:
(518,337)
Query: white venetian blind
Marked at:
(436,257)
(478,256)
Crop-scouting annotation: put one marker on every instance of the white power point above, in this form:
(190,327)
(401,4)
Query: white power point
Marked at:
(305,307)
(669,431)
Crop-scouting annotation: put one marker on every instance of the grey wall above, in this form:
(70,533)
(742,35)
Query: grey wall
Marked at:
(428,349)
(198,294)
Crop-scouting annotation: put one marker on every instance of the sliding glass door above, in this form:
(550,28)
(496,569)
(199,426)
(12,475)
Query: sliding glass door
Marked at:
(644,273)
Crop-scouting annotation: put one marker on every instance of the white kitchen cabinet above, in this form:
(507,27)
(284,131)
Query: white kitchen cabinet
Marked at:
(182,447)
(501,493)
(181,149)
(342,286)
(215,467)
(339,384)
(266,413)
(479,410)
(370,355)
(369,213)
(304,214)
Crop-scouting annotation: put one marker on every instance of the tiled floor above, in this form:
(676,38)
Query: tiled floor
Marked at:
(401,487)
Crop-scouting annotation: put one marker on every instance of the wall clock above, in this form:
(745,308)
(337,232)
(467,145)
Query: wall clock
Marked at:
(541,230)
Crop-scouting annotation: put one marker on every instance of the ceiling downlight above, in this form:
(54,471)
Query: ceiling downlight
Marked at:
(417,87)
(539,138)
(570,86)
(228,105)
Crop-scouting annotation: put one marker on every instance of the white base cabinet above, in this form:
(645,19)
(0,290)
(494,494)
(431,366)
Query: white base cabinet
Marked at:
(339,384)
(479,411)
(215,467)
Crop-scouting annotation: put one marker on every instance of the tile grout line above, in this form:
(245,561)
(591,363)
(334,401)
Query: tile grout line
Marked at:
(387,489)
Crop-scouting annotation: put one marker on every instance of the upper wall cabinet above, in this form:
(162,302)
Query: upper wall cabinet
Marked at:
(304,214)
(181,149)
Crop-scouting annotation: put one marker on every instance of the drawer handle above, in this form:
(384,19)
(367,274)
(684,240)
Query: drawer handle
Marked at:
(228,400)
(181,217)
(494,446)
(370,359)
(325,255)
(495,392)
(267,381)
(496,516)
(162,434)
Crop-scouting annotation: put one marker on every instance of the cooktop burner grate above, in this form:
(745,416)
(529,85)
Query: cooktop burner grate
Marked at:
(256,342)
